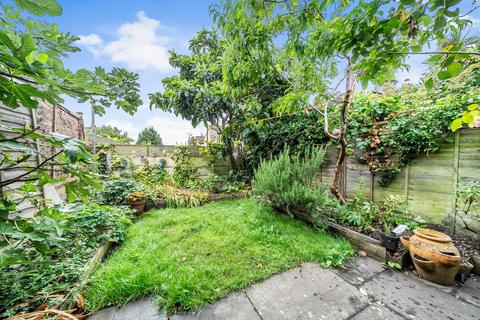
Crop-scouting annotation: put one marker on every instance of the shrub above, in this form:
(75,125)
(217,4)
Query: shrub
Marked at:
(213,153)
(185,172)
(394,212)
(287,181)
(151,175)
(115,191)
(358,213)
(25,287)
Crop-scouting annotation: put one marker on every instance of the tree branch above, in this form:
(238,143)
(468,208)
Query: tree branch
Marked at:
(18,178)
(436,52)
(20,136)
(63,87)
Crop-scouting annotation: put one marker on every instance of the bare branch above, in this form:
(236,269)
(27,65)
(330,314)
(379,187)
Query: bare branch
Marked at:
(436,52)
(18,178)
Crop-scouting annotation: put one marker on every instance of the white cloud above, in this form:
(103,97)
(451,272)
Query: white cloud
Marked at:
(139,45)
(474,20)
(173,130)
(90,40)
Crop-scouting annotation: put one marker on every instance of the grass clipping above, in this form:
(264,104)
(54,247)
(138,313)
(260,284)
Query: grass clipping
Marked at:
(190,257)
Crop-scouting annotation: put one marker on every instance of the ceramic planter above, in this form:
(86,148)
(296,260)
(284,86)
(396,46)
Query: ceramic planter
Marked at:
(435,257)
(139,206)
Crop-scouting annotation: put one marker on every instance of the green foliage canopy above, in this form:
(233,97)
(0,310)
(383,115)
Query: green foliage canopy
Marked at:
(32,70)
(149,136)
(114,133)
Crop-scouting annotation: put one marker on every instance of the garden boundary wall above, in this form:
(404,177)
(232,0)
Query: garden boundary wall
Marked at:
(429,182)
(153,154)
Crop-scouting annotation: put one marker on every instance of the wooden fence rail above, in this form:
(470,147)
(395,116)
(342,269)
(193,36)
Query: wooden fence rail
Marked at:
(429,183)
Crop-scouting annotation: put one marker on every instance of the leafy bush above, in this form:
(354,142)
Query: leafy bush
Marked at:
(213,153)
(394,212)
(213,184)
(115,191)
(366,215)
(287,181)
(357,213)
(218,184)
(24,287)
(151,175)
(185,172)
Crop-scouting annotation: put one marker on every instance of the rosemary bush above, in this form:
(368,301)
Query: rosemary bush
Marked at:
(287,182)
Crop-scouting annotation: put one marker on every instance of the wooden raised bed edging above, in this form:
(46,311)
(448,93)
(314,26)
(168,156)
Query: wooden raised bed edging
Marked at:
(372,247)
(100,253)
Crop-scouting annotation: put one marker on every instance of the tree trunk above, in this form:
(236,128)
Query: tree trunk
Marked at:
(341,137)
(231,158)
(335,185)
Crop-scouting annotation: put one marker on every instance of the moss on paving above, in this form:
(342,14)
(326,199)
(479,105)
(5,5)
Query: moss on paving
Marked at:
(189,257)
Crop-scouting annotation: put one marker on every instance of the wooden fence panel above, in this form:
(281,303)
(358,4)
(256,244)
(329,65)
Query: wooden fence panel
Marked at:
(396,187)
(429,182)
(468,170)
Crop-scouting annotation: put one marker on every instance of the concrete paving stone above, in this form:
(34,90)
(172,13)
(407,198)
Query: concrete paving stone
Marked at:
(143,309)
(415,299)
(377,312)
(306,292)
(470,291)
(234,307)
(104,314)
(359,270)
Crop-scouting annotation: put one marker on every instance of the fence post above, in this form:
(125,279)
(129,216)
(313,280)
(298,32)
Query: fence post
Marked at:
(455,182)
(372,186)
(344,178)
(54,129)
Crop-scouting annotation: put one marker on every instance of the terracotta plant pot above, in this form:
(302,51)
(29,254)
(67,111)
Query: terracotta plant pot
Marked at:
(435,257)
(139,206)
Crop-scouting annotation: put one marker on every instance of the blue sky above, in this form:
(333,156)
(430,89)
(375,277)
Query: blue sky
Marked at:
(137,35)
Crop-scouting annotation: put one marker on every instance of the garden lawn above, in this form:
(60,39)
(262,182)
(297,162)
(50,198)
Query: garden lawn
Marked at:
(189,257)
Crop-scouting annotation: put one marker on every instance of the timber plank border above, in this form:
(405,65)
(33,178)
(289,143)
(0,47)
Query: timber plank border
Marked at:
(372,247)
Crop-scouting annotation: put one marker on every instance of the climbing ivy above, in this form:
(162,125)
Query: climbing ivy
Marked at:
(392,127)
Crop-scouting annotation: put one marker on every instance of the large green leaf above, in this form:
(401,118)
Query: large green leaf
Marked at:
(456,124)
(40,7)
(444,75)
(19,93)
(15,146)
(454,69)
(11,256)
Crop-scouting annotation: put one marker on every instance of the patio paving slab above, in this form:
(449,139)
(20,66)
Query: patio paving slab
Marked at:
(307,292)
(470,291)
(359,270)
(415,299)
(236,306)
(364,291)
(143,309)
(377,312)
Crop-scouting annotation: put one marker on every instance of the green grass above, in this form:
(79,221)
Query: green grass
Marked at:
(189,257)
